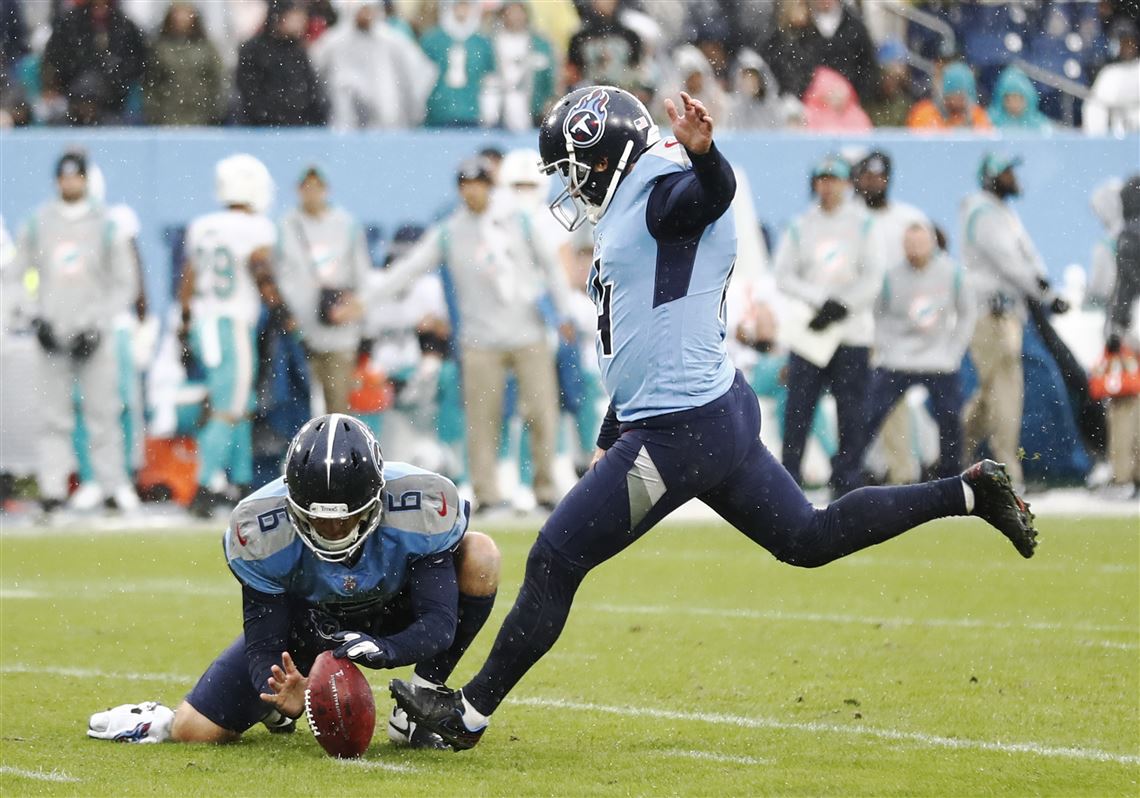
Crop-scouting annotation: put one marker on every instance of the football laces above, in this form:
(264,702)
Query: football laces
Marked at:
(309,714)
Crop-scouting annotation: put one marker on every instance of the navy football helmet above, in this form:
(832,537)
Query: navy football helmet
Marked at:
(590,138)
(334,470)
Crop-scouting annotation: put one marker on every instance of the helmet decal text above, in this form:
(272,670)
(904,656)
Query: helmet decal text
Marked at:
(586,121)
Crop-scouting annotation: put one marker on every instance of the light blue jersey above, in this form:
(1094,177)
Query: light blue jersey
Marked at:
(660,304)
(423,515)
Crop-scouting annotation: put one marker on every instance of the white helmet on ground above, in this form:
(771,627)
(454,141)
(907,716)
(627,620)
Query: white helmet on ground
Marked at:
(243,180)
(148,722)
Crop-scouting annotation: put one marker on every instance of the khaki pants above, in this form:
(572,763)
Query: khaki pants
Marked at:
(484,377)
(333,371)
(993,413)
(97,381)
(1124,439)
(899,453)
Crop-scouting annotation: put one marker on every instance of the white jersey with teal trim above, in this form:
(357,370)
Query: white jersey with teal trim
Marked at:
(422,515)
(660,304)
(219,245)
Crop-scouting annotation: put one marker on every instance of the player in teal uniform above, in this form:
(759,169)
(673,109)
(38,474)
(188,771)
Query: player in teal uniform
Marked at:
(344,552)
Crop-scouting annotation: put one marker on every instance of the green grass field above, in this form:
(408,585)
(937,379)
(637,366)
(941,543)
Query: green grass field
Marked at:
(937,664)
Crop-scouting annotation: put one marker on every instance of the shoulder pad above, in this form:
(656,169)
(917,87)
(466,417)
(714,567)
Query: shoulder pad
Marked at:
(419,501)
(259,526)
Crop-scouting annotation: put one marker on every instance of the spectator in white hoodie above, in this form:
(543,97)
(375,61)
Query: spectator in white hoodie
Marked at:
(1113,106)
(755,102)
(375,77)
(692,73)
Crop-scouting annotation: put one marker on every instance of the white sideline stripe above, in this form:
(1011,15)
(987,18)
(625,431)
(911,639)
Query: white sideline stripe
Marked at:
(372,764)
(779,615)
(710,756)
(854,730)
(38,775)
(667,714)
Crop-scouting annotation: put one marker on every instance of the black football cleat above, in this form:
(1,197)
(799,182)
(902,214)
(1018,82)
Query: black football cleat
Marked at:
(437,711)
(997,503)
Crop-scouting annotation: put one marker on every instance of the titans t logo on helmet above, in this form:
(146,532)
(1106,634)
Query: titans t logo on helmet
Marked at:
(586,121)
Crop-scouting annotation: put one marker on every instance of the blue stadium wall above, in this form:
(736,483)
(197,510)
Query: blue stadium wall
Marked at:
(388,179)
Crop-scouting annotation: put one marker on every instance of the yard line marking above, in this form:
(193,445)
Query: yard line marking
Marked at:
(225,589)
(76,526)
(710,756)
(780,615)
(373,764)
(986,565)
(38,775)
(57,590)
(1119,568)
(855,730)
(93,673)
(717,719)
(1112,644)
(861,560)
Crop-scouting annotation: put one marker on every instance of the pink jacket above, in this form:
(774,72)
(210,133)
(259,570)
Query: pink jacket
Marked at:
(830,104)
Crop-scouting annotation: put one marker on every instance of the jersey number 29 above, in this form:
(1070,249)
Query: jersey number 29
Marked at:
(219,263)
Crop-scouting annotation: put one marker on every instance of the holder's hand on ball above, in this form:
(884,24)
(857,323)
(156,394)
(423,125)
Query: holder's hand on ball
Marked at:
(288,686)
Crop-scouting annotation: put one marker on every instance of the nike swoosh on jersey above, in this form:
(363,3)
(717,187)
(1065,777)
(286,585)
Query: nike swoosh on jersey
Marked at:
(443,510)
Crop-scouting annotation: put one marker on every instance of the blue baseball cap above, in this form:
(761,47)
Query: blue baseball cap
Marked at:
(832,165)
(994,163)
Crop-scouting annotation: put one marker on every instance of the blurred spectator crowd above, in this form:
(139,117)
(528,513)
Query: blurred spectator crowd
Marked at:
(468,345)
(831,65)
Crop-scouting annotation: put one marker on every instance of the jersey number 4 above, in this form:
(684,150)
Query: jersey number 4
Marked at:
(603,294)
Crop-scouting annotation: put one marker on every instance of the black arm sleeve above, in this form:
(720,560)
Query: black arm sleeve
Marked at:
(434,593)
(266,617)
(682,204)
(608,434)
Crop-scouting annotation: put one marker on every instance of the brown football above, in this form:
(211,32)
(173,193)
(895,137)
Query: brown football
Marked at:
(340,707)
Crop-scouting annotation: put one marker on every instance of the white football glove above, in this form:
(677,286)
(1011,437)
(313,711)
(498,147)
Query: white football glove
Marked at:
(148,722)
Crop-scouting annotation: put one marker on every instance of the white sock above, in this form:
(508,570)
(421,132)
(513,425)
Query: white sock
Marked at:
(968,493)
(419,681)
(472,718)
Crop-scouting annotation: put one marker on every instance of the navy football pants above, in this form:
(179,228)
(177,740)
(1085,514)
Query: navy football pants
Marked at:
(226,696)
(712,453)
